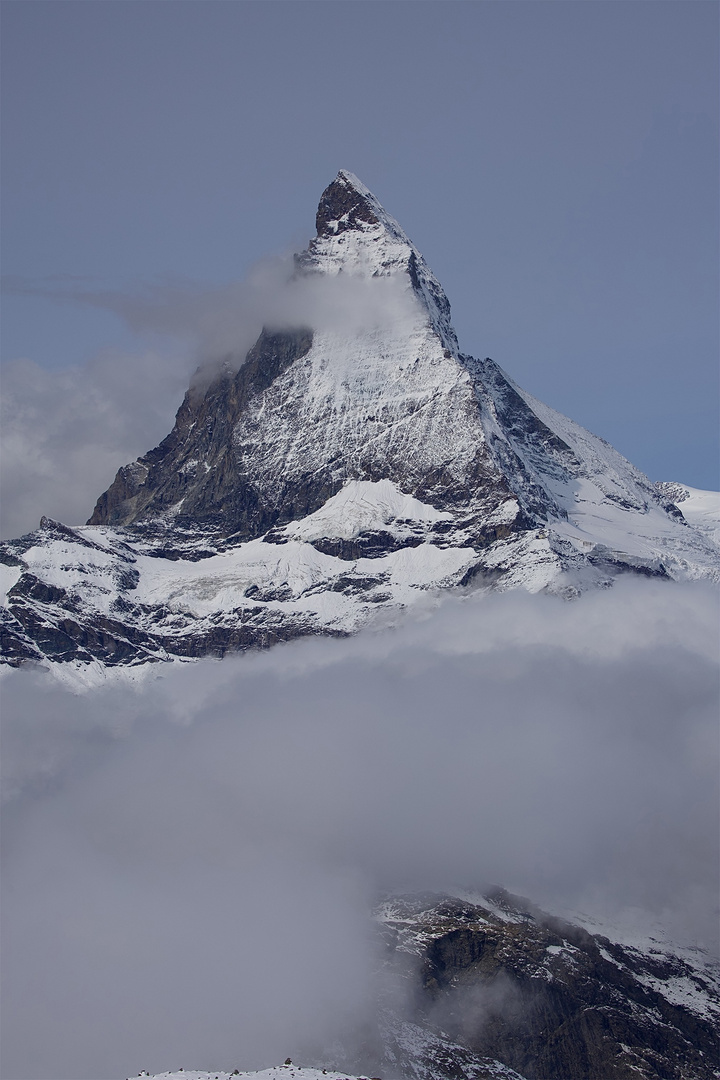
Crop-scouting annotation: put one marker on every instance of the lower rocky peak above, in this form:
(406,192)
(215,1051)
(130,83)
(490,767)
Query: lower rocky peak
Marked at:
(549,998)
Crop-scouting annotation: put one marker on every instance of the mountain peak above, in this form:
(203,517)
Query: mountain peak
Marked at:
(349,178)
(346,203)
(356,233)
(345,467)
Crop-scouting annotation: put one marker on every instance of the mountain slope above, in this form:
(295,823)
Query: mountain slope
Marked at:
(352,463)
(551,998)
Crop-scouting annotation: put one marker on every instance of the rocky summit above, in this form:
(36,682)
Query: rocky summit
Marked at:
(353,463)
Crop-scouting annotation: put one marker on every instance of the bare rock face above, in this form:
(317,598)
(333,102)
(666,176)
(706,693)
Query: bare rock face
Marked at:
(195,469)
(546,997)
(344,205)
(360,458)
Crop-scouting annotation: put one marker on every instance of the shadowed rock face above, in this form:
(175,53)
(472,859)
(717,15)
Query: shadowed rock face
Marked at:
(342,207)
(547,998)
(195,469)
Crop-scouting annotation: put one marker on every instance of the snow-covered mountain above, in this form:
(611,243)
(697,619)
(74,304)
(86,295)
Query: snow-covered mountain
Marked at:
(351,465)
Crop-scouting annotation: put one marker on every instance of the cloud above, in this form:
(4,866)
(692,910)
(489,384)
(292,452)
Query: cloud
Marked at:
(66,433)
(189,862)
(220,323)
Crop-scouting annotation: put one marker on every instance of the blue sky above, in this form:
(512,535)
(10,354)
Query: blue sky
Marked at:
(555,162)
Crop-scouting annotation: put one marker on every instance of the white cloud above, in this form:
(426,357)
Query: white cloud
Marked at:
(188,862)
(224,321)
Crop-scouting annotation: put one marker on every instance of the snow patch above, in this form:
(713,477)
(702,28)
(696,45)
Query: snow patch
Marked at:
(9,576)
(363,506)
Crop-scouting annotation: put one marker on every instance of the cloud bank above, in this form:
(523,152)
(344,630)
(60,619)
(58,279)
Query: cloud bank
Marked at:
(189,862)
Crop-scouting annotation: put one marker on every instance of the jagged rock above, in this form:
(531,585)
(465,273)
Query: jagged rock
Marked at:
(195,465)
(549,998)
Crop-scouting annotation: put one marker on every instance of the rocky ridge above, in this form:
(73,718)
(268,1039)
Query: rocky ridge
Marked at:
(550,998)
(345,471)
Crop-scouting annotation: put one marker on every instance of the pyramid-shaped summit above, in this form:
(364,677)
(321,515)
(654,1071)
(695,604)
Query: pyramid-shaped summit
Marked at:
(349,464)
(314,408)
(345,204)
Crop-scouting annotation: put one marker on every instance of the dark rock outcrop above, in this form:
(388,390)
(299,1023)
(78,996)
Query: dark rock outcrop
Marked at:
(548,998)
(343,207)
(194,468)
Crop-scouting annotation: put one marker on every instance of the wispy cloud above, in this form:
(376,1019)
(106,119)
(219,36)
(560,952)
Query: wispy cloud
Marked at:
(223,322)
(65,434)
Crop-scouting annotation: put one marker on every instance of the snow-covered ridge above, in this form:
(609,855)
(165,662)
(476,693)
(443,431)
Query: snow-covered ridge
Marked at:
(279,1072)
(599,504)
(369,550)
(699,508)
(147,607)
(362,239)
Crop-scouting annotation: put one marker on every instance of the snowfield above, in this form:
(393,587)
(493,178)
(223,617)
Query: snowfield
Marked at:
(279,1072)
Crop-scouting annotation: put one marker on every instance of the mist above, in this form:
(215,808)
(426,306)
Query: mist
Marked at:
(190,859)
(66,433)
(224,321)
